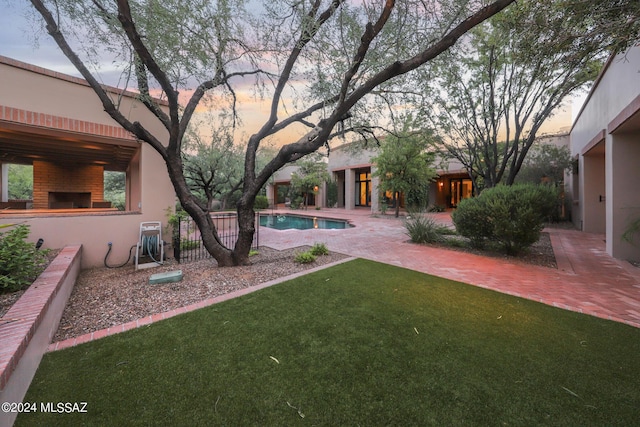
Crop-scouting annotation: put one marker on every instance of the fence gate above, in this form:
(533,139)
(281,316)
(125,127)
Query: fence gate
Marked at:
(187,239)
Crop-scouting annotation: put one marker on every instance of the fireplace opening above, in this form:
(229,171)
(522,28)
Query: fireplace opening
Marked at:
(69,200)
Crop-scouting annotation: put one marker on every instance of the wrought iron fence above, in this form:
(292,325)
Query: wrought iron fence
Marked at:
(187,239)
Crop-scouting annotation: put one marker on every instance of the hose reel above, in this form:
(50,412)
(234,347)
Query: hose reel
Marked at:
(150,245)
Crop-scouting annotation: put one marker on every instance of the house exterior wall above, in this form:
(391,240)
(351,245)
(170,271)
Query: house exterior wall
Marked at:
(35,89)
(624,206)
(349,156)
(343,163)
(58,103)
(607,149)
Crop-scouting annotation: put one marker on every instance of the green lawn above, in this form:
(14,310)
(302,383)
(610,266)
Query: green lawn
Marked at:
(361,343)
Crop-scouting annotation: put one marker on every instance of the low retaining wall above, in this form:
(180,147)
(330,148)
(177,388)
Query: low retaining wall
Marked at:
(27,328)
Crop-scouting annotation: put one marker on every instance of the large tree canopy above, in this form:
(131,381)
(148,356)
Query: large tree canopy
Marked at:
(337,55)
(490,95)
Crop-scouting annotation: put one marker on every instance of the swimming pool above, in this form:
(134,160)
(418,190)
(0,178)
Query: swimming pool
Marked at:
(285,222)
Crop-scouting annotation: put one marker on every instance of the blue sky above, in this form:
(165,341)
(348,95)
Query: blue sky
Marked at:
(18,39)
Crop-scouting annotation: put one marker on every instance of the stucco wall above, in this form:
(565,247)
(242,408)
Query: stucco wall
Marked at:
(350,156)
(57,94)
(609,154)
(618,86)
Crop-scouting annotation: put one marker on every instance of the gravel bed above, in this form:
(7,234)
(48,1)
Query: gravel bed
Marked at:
(540,253)
(105,297)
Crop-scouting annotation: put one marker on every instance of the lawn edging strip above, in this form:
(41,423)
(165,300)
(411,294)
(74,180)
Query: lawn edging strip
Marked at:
(27,328)
(71,342)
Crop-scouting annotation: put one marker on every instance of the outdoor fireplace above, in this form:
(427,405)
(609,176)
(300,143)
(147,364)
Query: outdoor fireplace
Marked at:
(69,200)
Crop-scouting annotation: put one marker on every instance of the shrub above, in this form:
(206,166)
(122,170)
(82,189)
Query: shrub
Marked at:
(423,229)
(305,258)
(319,249)
(471,221)
(188,244)
(261,202)
(512,216)
(20,261)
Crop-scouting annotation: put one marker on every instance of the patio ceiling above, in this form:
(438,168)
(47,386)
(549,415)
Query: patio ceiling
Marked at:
(23,147)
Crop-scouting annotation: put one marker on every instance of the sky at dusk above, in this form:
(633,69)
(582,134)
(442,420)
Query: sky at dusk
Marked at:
(18,41)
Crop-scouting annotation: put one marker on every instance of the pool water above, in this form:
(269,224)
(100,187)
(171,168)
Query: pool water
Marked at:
(285,222)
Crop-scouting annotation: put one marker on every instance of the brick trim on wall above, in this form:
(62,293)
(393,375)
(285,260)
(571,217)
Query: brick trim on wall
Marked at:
(32,118)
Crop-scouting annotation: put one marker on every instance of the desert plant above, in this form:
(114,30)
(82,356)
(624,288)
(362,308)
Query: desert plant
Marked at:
(305,257)
(319,249)
(20,261)
(512,216)
(423,229)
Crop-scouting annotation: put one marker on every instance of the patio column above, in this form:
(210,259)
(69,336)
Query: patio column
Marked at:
(350,189)
(4,182)
(623,197)
(375,194)
(271,195)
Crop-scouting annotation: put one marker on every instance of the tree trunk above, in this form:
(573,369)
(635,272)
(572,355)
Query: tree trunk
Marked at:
(246,229)
(396,201)
(200,216)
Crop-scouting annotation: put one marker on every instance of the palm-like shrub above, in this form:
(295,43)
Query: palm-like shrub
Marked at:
(423,229)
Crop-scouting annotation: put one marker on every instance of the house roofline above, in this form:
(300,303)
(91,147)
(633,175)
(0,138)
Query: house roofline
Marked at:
(68,78)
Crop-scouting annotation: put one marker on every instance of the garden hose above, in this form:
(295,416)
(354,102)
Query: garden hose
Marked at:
(150,247)
(117,266)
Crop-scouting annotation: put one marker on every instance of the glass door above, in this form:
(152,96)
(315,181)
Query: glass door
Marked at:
(363,187)
(460,189)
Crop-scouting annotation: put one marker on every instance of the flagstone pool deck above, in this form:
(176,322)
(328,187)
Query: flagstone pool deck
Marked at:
(587,279)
